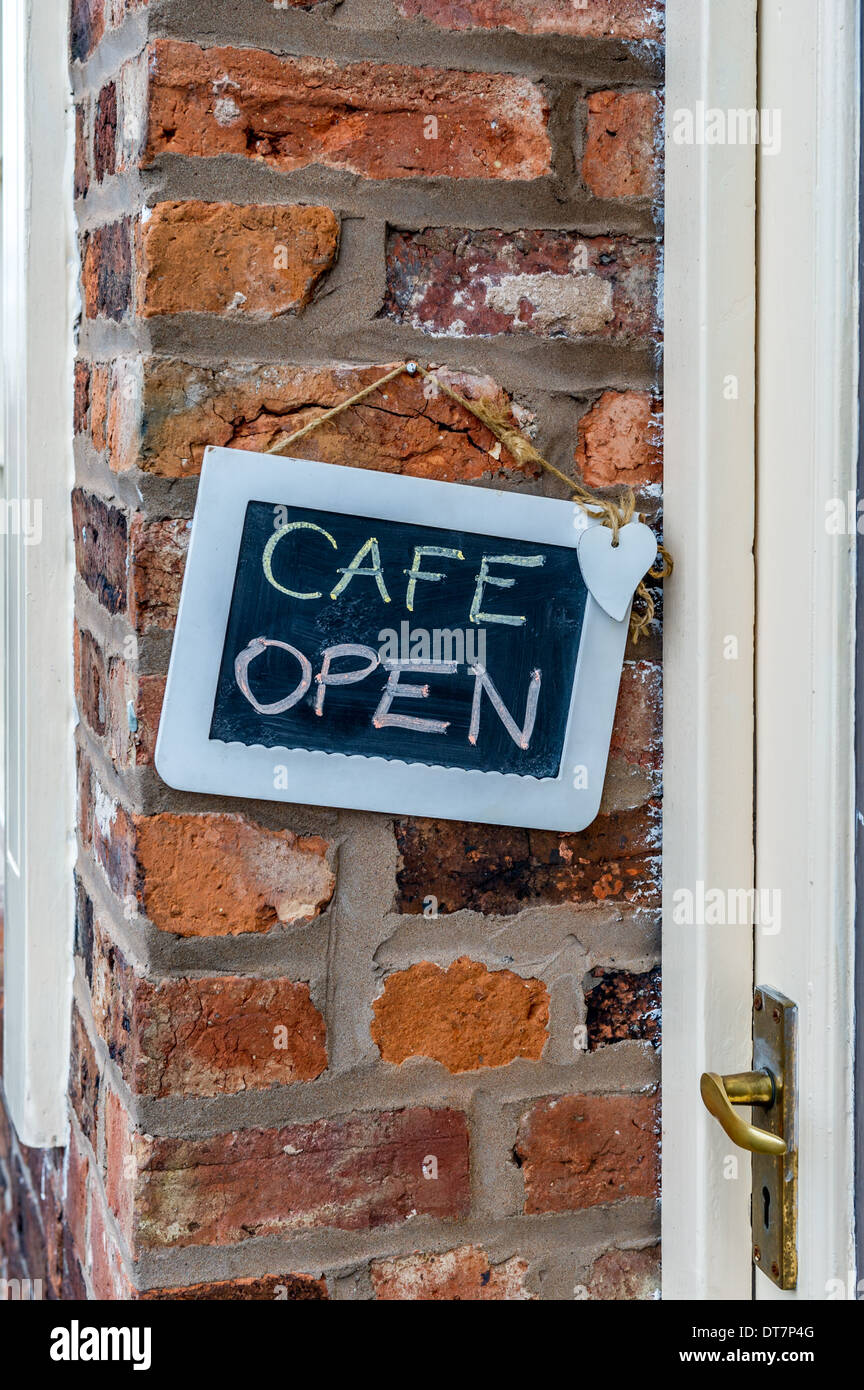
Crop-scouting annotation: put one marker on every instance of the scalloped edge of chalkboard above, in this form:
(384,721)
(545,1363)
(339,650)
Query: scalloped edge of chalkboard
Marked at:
(520,778)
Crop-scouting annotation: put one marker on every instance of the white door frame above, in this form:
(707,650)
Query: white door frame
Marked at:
(793,622)
(805,651)
(39,279)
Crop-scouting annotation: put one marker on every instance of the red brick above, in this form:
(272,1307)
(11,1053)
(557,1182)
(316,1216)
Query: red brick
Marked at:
(134,708)
(355,1172)
(408,427)
(496,869)
(623,145)
(73,1287)
(81,410)
(75,1198)
(368,118)
(547,283)
(465,1017)
(112,835)
(622,1005)
(157,561)
(84,1079)
(99,410)
(82,149)
(90,680)
(204,1036)
(84,927)
(629,1275)
(586,1151)
(637,734)
(121,432)
(106,276)
(259,261)
(463,1275)
(100,548)
(86,27)
(45,1242)
(273,1288)
(615,19)
(220,875)
(26,1222)
(105,133)
(105,1264)
(620,441)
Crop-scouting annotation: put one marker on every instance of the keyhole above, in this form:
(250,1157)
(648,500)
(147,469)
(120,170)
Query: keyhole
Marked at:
(766,1207)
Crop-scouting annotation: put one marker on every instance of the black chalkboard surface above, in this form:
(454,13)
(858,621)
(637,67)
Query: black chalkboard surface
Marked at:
(485,630)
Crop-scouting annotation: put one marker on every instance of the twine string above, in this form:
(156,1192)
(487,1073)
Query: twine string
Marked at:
(612,512)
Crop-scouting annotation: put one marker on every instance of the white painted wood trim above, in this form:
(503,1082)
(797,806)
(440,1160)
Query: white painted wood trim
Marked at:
(39,279)
(807,444)
(708,724)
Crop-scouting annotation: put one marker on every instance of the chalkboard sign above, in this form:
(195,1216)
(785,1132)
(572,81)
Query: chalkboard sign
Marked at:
(351,638)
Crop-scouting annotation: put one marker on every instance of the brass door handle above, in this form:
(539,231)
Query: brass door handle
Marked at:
(721,1093)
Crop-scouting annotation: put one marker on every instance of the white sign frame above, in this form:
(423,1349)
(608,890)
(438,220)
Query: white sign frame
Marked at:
(189,760)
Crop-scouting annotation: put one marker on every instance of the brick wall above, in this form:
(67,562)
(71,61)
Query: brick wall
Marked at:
(321,1054)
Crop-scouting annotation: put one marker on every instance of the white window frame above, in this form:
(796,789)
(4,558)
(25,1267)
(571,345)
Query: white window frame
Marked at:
(39,280)
(793,626)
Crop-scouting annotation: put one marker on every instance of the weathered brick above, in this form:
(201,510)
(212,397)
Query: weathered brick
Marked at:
(90,680)
(379,120)
(134,709)
(84,1079)
(41,1234)
(99,410)
(626,1275)
(106,277)
(86,27)
(157,562)
(497,869)
(112,836)
(84,928)
(73,1287)
(465,1017)
(105,1264)
(77,1184)
(105,133)
(622,1005)
(548,283)
(101,536)
(221,875)
(354,1172)
(585,1151)
(81,408)
(615,19)
(204,875)
(464,1275)
(407,427)
(204,1036)
(622,144)
(278,1288)
(26,1222)
(637,734)
(260,261)
(82,149)
(122,425)
(620,441)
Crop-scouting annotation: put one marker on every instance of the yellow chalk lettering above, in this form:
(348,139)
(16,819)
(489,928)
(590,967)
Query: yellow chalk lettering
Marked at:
(374,570)
(274,541)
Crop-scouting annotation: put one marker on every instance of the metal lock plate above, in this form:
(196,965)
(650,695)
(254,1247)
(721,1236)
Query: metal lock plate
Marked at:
(774,1194)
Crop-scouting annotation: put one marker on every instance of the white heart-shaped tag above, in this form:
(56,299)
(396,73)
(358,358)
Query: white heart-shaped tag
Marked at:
(611,573)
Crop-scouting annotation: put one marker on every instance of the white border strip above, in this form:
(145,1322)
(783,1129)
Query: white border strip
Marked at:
(708,723)
(808,376)
(39,285)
